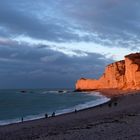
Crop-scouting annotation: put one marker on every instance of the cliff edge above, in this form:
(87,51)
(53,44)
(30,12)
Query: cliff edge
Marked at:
(124,75)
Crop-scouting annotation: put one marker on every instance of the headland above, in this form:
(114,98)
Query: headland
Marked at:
(120,75)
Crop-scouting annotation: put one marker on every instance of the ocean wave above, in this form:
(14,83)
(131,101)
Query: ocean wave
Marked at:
(55,91)
(84,105)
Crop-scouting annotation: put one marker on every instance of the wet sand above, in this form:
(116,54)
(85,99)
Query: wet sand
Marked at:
(118,119)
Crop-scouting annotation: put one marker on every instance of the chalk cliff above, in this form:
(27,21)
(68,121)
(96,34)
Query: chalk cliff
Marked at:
(124,74)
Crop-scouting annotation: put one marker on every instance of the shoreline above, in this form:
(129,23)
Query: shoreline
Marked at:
(100,121)
(111,93)
(78,107)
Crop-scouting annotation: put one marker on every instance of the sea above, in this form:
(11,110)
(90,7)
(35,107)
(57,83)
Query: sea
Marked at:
(31,104)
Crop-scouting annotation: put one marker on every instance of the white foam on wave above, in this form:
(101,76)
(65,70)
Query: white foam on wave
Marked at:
(18,120)
(94,93)
(85,105)
(11,121)
(46,92)
(55,91)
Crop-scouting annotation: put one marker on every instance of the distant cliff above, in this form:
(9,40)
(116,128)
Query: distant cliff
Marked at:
(124,74)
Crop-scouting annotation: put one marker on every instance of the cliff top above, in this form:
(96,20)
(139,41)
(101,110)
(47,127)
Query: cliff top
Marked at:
(135,57)
(117,62)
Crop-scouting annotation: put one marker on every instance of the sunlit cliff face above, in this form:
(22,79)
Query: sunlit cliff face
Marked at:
(123,74)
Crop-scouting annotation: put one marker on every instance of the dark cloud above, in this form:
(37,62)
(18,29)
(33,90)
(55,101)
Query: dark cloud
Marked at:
(27,66)
(110,22)
(24,22)
(115,20)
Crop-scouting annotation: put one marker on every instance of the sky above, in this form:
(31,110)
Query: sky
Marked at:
(52,43)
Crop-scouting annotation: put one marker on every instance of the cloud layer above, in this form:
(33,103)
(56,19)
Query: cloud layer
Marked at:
(111,21)
(37,66)
(42,61)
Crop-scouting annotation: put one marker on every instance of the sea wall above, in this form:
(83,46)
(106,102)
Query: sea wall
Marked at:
(124,74)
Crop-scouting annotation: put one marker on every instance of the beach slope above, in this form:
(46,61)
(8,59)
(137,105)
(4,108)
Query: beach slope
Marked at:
(117,119)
